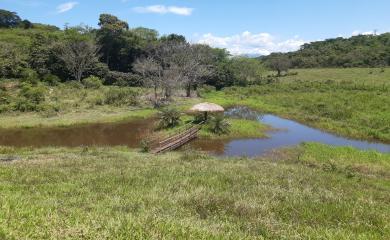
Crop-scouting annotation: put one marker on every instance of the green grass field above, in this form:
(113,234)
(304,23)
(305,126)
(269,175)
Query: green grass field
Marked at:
(355,106)
(310,192)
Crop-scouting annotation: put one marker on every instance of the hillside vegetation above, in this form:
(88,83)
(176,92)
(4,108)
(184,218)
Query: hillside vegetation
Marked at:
(356,51)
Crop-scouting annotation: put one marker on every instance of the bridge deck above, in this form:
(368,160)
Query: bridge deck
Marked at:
(176,141)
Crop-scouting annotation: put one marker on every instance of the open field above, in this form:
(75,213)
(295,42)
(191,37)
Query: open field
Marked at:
(310,192)
(360,76)
(353,108)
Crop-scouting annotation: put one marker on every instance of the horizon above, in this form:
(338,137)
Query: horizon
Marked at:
(281,26)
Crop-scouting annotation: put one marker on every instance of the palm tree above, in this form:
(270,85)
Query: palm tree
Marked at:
(219,125)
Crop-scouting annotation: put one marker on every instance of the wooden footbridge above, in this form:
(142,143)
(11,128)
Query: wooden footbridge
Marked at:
(175,140)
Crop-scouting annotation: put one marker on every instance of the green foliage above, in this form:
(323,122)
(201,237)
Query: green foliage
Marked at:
(123,79)
(50,79)
(75,84)
(354,104)
(4,101)
(246,71)
(219,125)
(30,76)
(145,146)
(30,98)
(12,60)
(357,51)
(9,19)
(278,62)
(121,96)
(92,82)
(168,118)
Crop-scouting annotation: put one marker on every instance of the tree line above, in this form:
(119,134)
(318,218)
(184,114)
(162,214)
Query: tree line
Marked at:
(356,51)
(118,55)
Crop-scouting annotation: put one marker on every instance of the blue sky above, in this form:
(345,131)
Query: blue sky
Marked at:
(242,26)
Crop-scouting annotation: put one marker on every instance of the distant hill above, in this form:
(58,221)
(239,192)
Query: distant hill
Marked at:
(357,51)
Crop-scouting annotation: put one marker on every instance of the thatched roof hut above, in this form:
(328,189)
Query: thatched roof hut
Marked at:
(206,108)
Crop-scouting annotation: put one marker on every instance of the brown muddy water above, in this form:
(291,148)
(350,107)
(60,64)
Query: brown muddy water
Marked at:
(101,134)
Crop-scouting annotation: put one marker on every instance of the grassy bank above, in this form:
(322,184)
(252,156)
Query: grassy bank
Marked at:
(305,193)
(72,104)
(353,108)
(239,128)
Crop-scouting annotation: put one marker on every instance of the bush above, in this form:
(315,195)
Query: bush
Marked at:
(51,80)
(75,84)
(30,98)
(4,97)
(30,76)
(123,79)
(168,118)
(219,125)
(92,82)
(204,90)
(121,96)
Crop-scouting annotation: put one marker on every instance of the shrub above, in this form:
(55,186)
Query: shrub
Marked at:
(169,117)
(219,125)
(123,79)
(121,96)
(50,79)
(35,95)
(75,84)
(4,108)
(30,98)
(30,76)
(204,90)
(92,82)
(4,97)
(145,146)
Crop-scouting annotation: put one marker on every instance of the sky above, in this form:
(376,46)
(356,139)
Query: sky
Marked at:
(256,27)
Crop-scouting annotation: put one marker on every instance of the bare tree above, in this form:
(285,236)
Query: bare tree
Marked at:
(194,64)
(78,56)
(170,65)
(151,72)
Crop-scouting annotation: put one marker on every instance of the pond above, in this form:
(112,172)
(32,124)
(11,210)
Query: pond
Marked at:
(287,133)
(101,134)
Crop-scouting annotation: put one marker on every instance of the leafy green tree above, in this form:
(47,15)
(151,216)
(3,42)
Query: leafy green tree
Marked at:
(173,38)
(246,70)
(279,62)
(26,24)
(12,61)
(110,38)
(9,19)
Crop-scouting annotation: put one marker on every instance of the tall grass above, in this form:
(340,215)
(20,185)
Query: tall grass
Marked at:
(116,193)
(351,108)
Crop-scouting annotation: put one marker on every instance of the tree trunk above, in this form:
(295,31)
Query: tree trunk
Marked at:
(188,90)
(279,72)
(155,95)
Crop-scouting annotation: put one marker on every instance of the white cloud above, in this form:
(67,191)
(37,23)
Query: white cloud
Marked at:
(66,7)
(161,9)
(250,43)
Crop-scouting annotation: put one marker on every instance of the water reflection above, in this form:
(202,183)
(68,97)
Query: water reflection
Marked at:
(104,134)
(290,133)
